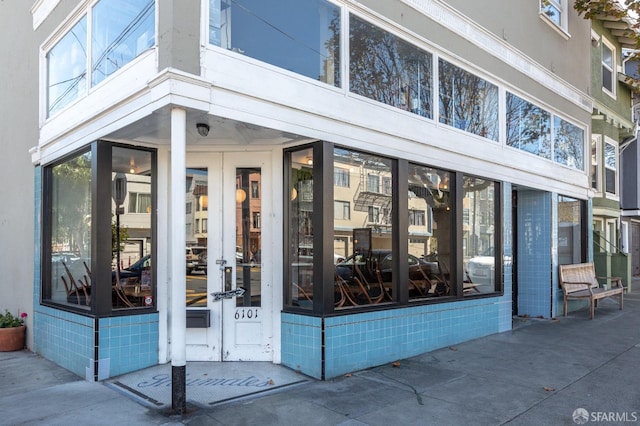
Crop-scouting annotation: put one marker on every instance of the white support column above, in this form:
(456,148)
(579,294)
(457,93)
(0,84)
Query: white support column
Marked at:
(177,258)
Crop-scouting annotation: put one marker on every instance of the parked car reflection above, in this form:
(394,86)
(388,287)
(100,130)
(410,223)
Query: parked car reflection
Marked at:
(135,270)
(481,268)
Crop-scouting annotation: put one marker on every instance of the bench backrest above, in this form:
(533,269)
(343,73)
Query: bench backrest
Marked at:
(577,273)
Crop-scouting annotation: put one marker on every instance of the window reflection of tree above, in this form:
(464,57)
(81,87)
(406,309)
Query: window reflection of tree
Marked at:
(568,144)
(528,127)
(468,102)
(389,70)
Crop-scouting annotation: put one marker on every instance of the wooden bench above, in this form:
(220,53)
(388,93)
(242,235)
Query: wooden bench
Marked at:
(579,281)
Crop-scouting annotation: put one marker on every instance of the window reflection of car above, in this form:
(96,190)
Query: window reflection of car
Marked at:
(481,268)
(196,259)
(135,270)
(383,259)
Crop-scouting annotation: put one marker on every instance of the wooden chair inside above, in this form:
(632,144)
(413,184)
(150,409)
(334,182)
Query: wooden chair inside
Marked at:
(344,294)
(80,293)
(370,291)
(119,292)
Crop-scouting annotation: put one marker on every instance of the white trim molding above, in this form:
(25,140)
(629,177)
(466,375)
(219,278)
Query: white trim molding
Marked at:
(41,10)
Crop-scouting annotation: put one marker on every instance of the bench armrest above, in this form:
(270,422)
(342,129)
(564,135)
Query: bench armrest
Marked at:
(616,280)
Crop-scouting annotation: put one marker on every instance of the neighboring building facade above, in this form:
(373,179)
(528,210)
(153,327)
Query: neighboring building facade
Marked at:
(612,131)
(283,136)
(630,178)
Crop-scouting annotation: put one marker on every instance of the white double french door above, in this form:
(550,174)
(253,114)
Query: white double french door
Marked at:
(228,204)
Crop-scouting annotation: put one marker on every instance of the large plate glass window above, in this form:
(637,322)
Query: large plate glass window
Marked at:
(528,127)
(480,246)
(131,207)
(300,36)
(69,232)
(387,69)
(99,259)
(121,30)
(300,244)
(568,143)
(468,102)
(365,276)
(430,231)
(67,68)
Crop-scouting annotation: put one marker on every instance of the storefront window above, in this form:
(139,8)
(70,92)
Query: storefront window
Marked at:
(96,259)
(365,276)
(70,232)
(300,246)
(349,222)
(300,36)
(387,69)
(480,248)
(430,227)
(131,228)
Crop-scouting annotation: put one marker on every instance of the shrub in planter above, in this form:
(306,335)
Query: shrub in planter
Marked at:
(12,331)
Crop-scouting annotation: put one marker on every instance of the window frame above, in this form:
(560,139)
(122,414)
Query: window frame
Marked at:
(604,43)
(84,12)
(596,163)
(322,219)
(616,178)
(101,232)
(562,7)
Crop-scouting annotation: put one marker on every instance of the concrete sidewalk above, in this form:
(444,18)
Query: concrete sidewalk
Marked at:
(540,373)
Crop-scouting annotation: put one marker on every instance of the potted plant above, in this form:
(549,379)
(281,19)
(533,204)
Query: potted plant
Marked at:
(12,331)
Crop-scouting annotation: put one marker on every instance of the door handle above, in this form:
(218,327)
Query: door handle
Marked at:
(227,278)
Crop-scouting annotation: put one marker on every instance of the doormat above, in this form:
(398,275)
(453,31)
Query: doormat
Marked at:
(207,383)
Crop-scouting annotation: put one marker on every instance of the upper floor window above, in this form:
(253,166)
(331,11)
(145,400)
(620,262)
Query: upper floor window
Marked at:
(555,11)
(595,163)
(139,202)
(568,144)
(610,165)
(341,177)
(300,36)
(67,68)
(255,189)
(468,102)
(342,210)
(528,127)
(373,183)
(387,69)
(120,31)
(416,218)
(608,67)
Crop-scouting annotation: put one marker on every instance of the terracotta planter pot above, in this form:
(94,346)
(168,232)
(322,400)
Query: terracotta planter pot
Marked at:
(12,339)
